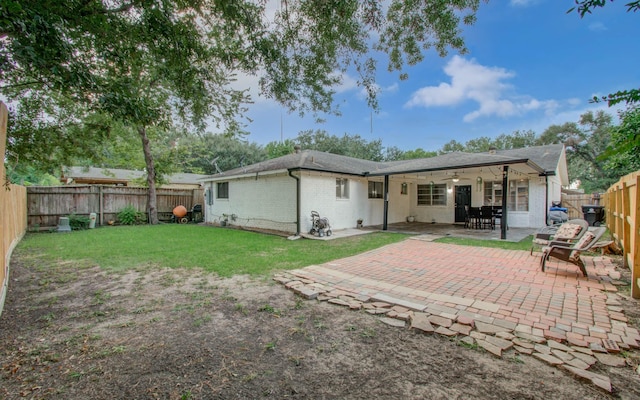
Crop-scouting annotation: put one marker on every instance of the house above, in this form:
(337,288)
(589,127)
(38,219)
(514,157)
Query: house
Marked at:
(280,193)
(125,177)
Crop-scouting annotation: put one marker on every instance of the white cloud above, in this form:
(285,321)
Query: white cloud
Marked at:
(523,3)
(484,85)
(597,27)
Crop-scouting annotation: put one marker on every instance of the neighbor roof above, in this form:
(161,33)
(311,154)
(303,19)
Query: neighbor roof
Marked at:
(94,175)
(543,159)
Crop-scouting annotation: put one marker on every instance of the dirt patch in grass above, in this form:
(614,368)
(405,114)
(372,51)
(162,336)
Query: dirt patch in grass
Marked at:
(73,331)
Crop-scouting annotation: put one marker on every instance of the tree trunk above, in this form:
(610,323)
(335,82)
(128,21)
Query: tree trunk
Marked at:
(152,206)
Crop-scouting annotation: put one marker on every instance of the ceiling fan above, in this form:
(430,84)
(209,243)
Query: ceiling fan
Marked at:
(455,178)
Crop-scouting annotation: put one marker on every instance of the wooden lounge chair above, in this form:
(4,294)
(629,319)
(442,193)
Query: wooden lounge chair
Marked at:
(570,232)
(570,252)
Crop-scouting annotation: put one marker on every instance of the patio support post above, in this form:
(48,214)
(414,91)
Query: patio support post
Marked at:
(505,190)
(386,202)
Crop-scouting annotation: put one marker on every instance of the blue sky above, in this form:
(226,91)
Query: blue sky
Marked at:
(529,65)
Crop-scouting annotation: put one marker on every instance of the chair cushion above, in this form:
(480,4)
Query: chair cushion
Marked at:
(582,243)
(568,231)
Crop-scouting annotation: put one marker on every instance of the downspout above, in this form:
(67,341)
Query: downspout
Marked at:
(297,201)
(546,199)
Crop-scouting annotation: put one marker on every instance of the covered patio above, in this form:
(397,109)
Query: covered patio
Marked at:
(432,231)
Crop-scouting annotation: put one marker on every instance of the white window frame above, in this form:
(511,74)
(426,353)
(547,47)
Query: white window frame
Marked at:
(432,195)
(342,188)
(517,197)
(220,185)
(376,190)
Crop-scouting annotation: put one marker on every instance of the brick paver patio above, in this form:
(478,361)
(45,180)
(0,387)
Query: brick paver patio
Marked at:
(489,285)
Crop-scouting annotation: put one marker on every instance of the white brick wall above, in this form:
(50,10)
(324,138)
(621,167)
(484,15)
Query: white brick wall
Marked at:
(270,202)
(267,202)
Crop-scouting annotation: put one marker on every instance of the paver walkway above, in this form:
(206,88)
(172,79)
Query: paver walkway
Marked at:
(503,288)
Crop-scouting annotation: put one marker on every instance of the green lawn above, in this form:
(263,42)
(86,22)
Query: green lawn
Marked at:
(226,252)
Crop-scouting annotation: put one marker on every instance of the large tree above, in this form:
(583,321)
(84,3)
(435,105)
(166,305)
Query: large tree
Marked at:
(152,63)
(585,141)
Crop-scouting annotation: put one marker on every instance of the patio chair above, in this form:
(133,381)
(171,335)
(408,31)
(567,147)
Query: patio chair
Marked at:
(570,252)
(570,232)
(487,218)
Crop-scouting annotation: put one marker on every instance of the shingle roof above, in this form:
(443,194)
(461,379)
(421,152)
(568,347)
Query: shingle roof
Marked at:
(115,175)
(308,160)
(542,158)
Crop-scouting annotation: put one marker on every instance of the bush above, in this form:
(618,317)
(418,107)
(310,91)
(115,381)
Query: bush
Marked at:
(78,222)
(130,216)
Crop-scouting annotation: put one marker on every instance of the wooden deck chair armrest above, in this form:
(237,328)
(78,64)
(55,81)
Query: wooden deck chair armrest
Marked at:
(560,245)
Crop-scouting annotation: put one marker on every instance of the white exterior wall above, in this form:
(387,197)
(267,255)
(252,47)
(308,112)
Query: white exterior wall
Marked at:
(268,202)
(318,193)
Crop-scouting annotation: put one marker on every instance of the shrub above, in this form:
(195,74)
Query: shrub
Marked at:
(78,222)
(130,216)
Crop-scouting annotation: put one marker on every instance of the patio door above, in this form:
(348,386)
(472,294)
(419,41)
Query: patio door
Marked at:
(463,198)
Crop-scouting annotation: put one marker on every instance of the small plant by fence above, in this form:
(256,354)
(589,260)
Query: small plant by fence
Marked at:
(622,213)
(46,204)
(13,212)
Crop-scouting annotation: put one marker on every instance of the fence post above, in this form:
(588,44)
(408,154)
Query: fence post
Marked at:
(634,253)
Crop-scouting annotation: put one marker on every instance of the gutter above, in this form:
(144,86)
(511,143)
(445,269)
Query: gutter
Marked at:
(290,171)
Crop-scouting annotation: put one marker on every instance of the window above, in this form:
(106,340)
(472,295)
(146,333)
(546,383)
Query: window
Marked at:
(223,190)
(375,190)
(432,195)
(492,193)
(518,195)
(342,188)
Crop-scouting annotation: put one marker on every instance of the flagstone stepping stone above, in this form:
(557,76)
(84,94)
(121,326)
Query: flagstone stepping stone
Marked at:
(501,343)
(601,381)
(441,321)
(464,320)
(491,348)
(540,348)
(445,331)
(558,346)
(393,322)
(420,321)
(523,350)
(578,363)
(590,360)
(483,327)
(463,329)
(548,358)
(523,343)
(611,360)
(505,335)
(564,356)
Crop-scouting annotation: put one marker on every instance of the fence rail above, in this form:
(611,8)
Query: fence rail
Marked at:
(622,212)
(13,213)
(46,204)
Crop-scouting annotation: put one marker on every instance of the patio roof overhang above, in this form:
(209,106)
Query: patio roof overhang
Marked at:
(528,166)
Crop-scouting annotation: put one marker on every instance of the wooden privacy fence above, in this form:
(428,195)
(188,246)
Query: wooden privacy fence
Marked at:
(46,204)
(574,203)
(622,213)
(13,213)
